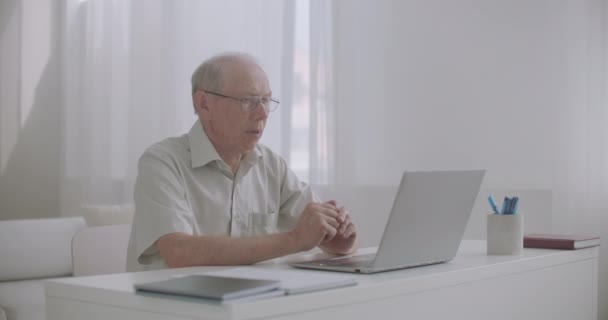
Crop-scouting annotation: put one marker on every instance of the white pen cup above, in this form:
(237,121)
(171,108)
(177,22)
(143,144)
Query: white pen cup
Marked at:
(505,234)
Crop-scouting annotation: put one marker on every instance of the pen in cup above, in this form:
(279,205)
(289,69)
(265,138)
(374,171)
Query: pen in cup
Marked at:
(505,205)
(514,206)
(509,205)
(493,204)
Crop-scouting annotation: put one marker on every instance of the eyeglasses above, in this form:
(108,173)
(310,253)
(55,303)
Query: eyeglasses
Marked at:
(249,103)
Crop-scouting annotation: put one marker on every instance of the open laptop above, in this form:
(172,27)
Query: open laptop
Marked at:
(425,226)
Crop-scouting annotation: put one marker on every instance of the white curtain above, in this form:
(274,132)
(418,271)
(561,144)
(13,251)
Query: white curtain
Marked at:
(322,101)
(126,72)
(580,202)
(581,138)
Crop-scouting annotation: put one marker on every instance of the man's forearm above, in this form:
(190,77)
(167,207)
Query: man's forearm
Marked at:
(182,250)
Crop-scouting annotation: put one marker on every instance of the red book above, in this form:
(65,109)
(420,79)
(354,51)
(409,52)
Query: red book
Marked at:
(560,241)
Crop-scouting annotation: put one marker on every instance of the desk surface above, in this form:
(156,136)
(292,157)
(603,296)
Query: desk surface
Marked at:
(471,264)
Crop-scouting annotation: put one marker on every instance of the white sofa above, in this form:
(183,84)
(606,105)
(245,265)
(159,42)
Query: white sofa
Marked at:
(32,251)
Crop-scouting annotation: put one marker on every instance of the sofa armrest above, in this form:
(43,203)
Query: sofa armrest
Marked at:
(2,314)
(37,248)
(23,299)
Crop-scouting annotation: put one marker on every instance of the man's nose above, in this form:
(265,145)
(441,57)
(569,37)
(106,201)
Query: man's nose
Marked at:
(261,109)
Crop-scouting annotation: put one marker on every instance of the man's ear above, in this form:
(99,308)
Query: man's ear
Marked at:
(199,100)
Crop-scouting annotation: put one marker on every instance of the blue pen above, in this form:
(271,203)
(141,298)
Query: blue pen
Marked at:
(493,204)
(505,205)
(515,203)
(510,206)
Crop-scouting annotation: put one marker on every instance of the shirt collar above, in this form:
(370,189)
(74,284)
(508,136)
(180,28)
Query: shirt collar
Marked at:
(201,149)
(203,152)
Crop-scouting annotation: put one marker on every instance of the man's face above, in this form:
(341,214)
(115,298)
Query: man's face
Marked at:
(231,128)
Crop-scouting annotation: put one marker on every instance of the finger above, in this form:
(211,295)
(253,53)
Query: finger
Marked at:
(330,212)
(330,231)
(342,213)
(343,225)
(350,231)
(332,202)
(331,221)
(324,209)
(347,221)
(345,230)
(327,239)
(328,205)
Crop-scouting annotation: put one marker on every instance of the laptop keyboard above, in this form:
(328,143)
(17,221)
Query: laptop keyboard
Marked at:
(365,260)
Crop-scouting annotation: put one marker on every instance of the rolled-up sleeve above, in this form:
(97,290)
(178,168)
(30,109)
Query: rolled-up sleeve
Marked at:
(161,206)
(295,195)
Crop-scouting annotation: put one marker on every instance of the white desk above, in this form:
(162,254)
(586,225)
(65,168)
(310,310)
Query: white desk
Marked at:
(541,284)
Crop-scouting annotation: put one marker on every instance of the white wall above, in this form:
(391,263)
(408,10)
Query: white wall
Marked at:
(451,84)
(29,109)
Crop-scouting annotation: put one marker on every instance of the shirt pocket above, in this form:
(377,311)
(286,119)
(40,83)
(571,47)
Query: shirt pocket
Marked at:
(262,223)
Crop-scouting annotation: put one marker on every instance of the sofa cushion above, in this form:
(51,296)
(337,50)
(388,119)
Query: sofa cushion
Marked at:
(37,248)
(102,215)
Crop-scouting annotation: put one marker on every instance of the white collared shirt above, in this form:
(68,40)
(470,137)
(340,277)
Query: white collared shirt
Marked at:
(183,186)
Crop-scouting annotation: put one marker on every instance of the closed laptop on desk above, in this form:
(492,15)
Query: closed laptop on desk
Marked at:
(426,224)
(211,287)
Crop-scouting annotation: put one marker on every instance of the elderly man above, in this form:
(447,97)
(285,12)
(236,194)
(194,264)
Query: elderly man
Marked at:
(215,196)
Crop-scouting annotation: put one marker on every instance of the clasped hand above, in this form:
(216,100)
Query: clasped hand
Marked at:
(327,226)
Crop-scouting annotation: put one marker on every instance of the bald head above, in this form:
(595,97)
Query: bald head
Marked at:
(215,72)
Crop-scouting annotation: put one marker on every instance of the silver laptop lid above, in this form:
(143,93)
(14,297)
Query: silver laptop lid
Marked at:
(429,217)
